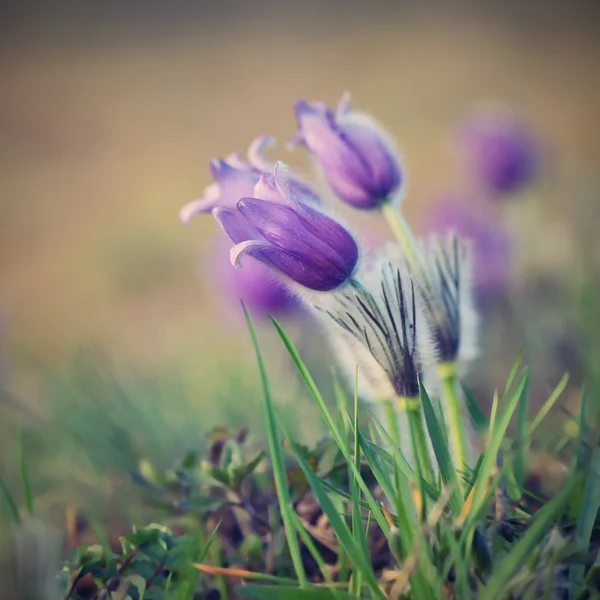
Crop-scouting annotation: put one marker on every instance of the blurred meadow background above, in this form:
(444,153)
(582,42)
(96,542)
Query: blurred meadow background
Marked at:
(118,341)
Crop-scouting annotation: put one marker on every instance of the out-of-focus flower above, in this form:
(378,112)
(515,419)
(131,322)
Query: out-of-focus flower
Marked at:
(355,153)
(255,285)
(491,247)
(499,151)
(281,227)
(234,178)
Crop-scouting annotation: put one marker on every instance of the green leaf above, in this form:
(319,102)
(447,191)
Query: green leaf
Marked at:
(240,473)
(269,592)
(277,462)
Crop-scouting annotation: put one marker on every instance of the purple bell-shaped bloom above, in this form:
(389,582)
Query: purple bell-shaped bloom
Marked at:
(281,227)
(499,151)
(357,156)
(234,178)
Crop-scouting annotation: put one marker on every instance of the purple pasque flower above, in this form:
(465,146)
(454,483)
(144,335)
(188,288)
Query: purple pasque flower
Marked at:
(255,285)
(355,153)
(477,222)
(233,177)
(281,227)
(499,151)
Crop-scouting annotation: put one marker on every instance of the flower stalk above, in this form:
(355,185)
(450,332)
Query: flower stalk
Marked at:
(405,237)
(454,411)
(414,414)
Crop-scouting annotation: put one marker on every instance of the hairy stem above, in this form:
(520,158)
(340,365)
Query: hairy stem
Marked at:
(454,410)
(418,435)
(404,235)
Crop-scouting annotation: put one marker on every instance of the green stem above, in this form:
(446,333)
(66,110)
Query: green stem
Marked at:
(418,435)
(454,411)
(391,422)
(403,234)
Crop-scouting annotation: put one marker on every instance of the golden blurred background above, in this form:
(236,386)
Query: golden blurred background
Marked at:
(110,113)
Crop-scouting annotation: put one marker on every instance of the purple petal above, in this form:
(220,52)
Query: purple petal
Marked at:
(201,205)
(234,225)
(236,161)
(343,106)
(317,238)
(310,275)
(291,188)
(266,189)
(327,143)
(376,149)
(255,153)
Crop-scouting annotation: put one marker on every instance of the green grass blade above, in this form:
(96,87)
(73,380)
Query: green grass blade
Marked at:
(523,549)
(442,453)
(269,592)
(357,525)
(12,505)
(277,462)
(496,436)
(521,438)
(23,473)
(588,512)
(342,532)
(478,419)
(333,428)
(513,371)
(554,396)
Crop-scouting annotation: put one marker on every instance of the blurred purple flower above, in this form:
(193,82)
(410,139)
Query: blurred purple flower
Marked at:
(499,151)
(255,284)
(281,227)
(356,154)
(490,241)
(233,177)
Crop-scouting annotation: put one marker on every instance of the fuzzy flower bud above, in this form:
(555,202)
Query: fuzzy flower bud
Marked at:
(378,315)
(355,153)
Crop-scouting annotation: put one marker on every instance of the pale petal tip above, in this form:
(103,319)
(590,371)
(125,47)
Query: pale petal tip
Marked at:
(190,210)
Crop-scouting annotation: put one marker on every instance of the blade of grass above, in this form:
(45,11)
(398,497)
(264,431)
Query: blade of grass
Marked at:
(521,438)
(357,525)
(342,532)
(519,553)
(263,592)
(588,512)
(558,390)
(478,419)
(24,475)
(513,371)
(488,464)
(277,462)
(12,505)
(334,430)
(442,454)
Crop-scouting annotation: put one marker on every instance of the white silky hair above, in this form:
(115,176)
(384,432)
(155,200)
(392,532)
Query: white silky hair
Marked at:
(449,271)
